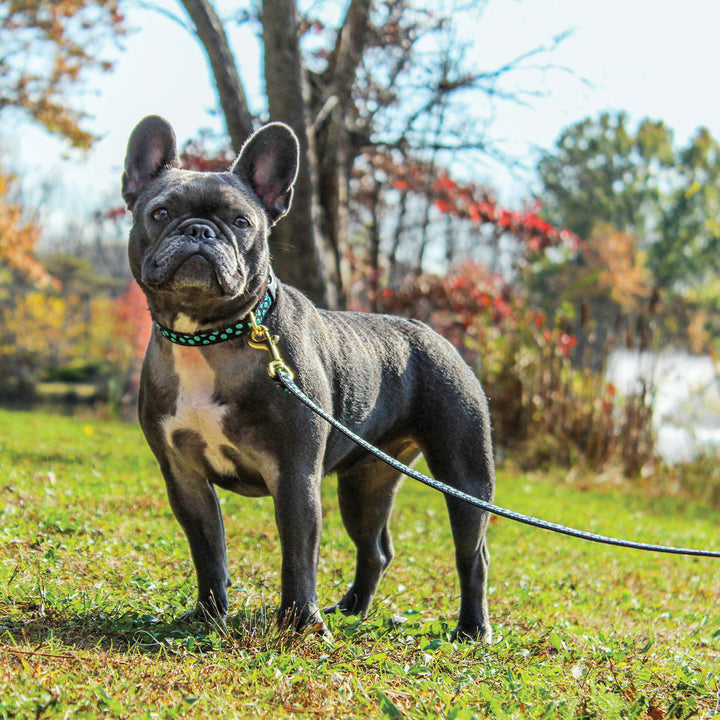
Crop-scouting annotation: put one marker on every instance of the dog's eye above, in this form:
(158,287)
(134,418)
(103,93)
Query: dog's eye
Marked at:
(241,222)
(161,215)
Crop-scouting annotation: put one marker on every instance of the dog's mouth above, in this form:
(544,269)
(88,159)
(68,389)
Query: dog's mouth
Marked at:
(182,265)
(195,271)
(187,271)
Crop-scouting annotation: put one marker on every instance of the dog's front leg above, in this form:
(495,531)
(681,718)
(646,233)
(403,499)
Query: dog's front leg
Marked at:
(196,507)
(299,519)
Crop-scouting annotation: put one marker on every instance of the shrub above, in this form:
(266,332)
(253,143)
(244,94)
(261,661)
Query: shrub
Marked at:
(72,337)
(548,405)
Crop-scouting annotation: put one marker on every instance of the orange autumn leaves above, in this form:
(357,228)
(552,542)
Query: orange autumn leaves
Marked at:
(18,238)
(47,49)
(617,266)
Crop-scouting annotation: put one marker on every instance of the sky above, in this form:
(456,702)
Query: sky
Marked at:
(651,58)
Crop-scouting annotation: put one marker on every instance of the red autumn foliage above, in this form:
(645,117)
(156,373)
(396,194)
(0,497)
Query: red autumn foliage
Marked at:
(113,214)
(472,202)
(460,297)
(195,155)
(132,319)
(474,303)
(567,343)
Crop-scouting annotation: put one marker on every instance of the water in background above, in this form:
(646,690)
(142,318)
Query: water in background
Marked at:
(687,398)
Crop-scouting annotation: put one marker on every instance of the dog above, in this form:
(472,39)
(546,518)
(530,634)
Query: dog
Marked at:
(198,248)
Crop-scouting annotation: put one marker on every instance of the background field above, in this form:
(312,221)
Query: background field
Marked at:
(94,570)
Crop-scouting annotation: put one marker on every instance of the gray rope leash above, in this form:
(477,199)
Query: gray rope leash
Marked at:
(282,375)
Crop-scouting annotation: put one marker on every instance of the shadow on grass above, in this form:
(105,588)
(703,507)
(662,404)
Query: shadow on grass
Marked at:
(133,632)
(252,630)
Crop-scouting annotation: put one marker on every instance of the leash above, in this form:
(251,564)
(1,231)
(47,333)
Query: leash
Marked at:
(279,371)
(286,381)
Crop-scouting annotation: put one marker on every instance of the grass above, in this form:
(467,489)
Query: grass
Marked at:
(94,571)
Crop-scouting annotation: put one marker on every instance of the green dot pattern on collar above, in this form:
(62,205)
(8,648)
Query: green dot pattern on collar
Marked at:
(211,337)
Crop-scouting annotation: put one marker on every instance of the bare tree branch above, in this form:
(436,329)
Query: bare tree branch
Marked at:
(349,48)
(209,30)
(167,14)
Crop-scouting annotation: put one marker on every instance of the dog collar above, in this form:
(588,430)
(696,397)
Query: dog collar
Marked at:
(212,337)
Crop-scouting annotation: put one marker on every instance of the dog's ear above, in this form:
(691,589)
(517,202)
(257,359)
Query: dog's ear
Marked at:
(268,163)
(151,149)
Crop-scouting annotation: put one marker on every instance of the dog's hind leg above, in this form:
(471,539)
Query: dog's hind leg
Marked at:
(463,460)
(472,559)
(366,492)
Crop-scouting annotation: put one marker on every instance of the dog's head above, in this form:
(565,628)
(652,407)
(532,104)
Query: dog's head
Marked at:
(198,244)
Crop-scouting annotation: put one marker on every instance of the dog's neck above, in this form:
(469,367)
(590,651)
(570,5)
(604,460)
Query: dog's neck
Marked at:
(185,331)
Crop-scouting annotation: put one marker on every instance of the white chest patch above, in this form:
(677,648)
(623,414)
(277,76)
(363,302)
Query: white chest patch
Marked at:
(196,410)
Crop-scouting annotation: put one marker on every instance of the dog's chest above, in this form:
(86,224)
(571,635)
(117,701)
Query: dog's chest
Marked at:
(196,410)
(239,464)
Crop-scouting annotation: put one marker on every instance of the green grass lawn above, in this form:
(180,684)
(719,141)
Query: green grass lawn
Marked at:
(94,570)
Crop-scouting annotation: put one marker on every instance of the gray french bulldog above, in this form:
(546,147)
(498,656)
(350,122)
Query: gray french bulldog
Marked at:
(212,416)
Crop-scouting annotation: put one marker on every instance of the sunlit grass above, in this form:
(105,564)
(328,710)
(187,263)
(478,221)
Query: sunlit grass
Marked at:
(94,571)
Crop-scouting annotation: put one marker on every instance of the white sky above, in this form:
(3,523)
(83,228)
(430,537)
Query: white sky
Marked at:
(655,58)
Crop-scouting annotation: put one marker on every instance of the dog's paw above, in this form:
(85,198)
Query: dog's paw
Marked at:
(207,612)
(337,608)
(306,620)
(350,604)
(201,616)
(320,630)
(190,616)
(474,633)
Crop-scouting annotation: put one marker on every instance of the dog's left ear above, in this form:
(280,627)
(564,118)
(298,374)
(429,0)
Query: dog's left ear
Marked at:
(150,150)
(268,163)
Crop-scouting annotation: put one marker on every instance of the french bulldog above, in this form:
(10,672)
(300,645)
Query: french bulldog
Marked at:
(199,250)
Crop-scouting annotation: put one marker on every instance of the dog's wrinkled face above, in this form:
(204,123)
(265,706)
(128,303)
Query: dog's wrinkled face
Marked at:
(201,234)
(198,245)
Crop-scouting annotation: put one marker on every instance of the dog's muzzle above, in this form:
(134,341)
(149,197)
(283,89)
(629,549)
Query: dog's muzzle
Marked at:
(195,257)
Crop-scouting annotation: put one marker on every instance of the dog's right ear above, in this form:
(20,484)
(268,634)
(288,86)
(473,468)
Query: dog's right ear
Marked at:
(268,163)
(151,149)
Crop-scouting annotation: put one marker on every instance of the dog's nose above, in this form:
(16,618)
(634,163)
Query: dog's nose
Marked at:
(201,232)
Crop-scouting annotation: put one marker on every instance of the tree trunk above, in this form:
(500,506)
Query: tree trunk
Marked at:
(295,242)
(234,105)
(374,237)
(309,245)
(337,145)
(393,260)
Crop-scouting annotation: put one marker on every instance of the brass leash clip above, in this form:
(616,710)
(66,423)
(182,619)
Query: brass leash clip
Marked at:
(261,339)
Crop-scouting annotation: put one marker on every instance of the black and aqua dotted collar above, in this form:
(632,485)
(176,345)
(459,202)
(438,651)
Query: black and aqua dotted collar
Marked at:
(212,337)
